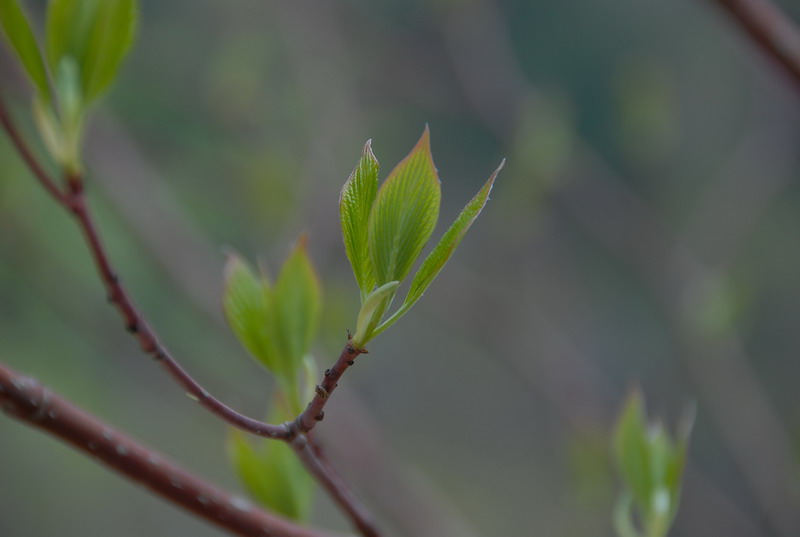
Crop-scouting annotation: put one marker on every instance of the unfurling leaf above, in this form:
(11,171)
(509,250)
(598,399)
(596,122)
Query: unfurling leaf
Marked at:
(271,472)
(372,311)
(296,302)
(96,33)
(399,218)
(19,34)
(404,214)
(355,203)
(278,323)
(246,309)
(651,464)
(439,256)
(631,448)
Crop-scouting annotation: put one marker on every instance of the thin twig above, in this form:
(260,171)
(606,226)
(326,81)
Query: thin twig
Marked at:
(27,400)
(74,201)
(315,410)
(324,473)
(771,30)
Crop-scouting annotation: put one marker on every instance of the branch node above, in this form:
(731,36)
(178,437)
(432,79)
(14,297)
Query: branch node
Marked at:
(322,392)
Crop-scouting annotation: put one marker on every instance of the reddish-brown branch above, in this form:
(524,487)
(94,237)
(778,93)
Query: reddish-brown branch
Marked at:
(771,29)
(325,475)
(314,412)
(25,399)
(74,201)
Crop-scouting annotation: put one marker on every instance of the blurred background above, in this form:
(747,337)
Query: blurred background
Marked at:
(644,231)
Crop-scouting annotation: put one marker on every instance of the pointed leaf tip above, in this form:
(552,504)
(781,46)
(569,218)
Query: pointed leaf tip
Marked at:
(23,42)
(355,203)
(447,245)
(246,309)
(296,302)
(404,214)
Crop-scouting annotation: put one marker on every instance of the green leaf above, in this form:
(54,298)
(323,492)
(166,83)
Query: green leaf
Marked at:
(632,450)
(271,472)
(675,469)
(623,517)
(49,129)
(296,301)
(97,33)
(246,309)
(439,256)
(19,34)
(355,203)
(112,36)
(372,311)
(404,214)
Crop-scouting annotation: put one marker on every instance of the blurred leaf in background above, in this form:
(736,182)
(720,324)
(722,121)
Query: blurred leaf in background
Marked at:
(651,464)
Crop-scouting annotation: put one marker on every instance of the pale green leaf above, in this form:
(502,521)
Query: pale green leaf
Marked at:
(271,472)
(355,203)
(272,475)
(436,260)
(246,309)
(19,34)
(631,449)
(296,302)
(623,516)
(69,26)
(372,311)
(677,464)
(404,214)
(97,33)
(111,38)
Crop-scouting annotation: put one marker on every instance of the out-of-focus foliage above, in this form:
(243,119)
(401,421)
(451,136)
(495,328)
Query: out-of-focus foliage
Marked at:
(651,464)
(85,43)
(277,323)
(271,471)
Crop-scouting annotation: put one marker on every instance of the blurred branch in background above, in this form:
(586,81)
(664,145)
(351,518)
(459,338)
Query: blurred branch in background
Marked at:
(775,33)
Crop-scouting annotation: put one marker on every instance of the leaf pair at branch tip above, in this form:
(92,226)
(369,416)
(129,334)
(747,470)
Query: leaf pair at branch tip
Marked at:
(85,43)
(96,33)
(386,229)
(275,323)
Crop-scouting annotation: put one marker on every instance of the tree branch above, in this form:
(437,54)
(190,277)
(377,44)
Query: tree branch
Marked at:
(314,412)
(308,452)
(770,29)
(74,201)
(27,400)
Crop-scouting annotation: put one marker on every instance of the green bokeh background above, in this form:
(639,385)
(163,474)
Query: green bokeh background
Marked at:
(644,231)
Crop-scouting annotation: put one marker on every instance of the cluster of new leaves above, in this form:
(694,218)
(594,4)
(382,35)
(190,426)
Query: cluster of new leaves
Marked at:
(651,464)
(85,42)
(277,324)
(386,228)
